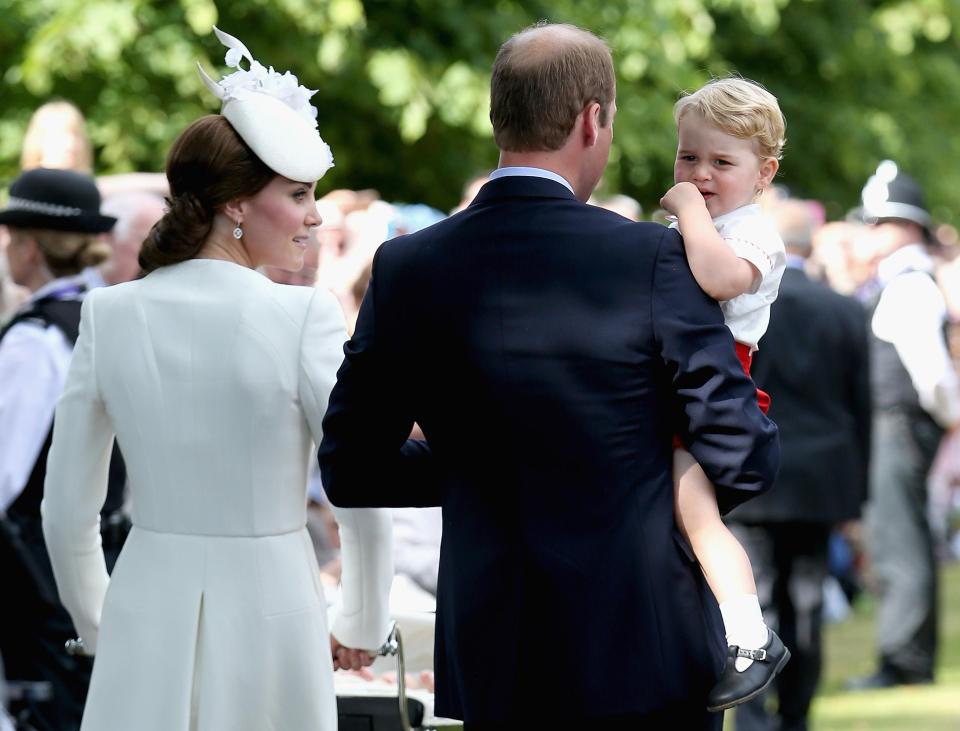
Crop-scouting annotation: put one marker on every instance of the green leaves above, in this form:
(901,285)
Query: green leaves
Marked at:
(403,87)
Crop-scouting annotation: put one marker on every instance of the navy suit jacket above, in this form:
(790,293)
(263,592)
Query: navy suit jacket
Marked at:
(814,362)
(549,350)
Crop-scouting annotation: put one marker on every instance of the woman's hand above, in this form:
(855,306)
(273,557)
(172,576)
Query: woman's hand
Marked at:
(347,658)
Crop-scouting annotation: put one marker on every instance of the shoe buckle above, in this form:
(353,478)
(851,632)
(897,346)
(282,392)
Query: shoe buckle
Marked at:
(752,654)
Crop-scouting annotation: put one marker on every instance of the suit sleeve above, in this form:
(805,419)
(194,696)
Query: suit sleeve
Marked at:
(858,391)
(366,458)
(366,534)
(76,487)
(721,424)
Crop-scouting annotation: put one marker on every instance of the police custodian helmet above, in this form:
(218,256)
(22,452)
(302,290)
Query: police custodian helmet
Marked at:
(893,195)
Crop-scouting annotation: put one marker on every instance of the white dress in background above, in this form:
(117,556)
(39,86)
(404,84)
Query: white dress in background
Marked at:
(215,381)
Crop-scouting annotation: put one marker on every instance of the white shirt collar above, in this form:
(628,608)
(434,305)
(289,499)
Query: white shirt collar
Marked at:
(910,257)
(93,278)
(751,209)
(531,172)
(69,282)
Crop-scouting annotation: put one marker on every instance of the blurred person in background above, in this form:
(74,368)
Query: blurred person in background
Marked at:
(12,295)
(56,137)
(842,256)
(915,399)
(357,222)
(152,183)
(136,213)
(814,364)
(626,206)
(944,480)
(54,221)
(330,234)
(470,190)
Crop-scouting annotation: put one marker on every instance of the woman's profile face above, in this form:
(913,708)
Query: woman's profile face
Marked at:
(23,257)
(277,222)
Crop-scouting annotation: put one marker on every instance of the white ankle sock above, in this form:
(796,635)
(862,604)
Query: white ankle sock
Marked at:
(743,623)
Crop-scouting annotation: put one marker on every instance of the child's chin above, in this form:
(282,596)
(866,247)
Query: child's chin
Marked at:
(718,209)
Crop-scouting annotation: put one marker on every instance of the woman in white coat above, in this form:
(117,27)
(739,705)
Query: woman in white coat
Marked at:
(215,381)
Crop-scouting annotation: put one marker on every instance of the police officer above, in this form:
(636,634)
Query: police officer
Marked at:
(915,398)
(54,221)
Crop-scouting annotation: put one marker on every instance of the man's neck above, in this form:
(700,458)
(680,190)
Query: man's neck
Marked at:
(546,160)
(554,161)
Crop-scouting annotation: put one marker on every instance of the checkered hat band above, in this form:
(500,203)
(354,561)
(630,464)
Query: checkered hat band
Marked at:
(49,209)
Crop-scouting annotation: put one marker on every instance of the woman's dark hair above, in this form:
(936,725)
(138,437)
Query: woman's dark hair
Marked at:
(208,166)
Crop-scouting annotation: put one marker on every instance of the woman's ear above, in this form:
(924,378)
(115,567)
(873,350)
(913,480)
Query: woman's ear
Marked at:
(234,210)
(30,246)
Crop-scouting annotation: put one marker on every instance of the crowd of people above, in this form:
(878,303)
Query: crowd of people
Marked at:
(860,362)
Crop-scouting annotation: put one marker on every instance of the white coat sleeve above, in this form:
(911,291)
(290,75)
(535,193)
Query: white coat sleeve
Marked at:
(76,487)
(366,534)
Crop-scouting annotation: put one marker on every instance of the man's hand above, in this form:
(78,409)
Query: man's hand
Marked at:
(346,658)
(681,196)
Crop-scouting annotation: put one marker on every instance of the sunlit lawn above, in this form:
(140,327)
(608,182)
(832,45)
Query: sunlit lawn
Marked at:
(850,651)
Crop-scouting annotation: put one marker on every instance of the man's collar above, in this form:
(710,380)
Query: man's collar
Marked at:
(522,186)
(795,261)
(531,172)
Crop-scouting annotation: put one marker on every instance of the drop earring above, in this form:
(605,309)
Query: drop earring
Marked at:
(238,232)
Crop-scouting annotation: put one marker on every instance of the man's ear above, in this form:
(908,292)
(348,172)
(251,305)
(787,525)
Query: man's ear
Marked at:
(768,169)
(590,116)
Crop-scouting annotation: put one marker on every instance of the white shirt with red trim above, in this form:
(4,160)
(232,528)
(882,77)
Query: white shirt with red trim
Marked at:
(753,237)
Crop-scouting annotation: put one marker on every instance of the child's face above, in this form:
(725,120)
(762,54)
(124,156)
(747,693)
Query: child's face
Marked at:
(727,170)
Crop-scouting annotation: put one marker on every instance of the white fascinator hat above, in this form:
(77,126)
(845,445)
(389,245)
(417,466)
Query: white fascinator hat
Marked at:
(272,113)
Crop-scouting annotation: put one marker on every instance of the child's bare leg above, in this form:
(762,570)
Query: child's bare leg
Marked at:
(725,564)
(723,560)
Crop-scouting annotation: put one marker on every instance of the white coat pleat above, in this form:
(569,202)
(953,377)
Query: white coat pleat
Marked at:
(214,381)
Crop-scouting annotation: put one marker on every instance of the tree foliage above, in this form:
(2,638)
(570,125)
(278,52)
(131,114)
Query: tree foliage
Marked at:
(403,85)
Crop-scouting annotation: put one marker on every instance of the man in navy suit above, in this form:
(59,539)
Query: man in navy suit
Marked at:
(550,350)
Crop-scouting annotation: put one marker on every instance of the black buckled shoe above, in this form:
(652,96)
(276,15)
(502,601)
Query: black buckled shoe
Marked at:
(735,687)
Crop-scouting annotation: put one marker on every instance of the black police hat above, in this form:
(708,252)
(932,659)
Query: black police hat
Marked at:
(61,200)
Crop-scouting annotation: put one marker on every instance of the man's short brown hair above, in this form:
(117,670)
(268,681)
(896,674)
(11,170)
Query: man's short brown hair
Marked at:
(543,77)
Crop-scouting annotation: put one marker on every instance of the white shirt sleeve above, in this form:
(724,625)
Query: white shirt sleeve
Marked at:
(366,534)
(910,316)
(33,366)
(753,238)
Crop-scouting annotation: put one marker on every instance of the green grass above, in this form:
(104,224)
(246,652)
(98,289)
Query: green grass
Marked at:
(849,651)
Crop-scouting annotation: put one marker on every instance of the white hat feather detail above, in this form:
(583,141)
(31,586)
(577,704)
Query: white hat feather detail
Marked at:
(272,113)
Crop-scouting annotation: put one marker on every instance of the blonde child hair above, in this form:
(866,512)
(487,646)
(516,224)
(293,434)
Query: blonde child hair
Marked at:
(741,108)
